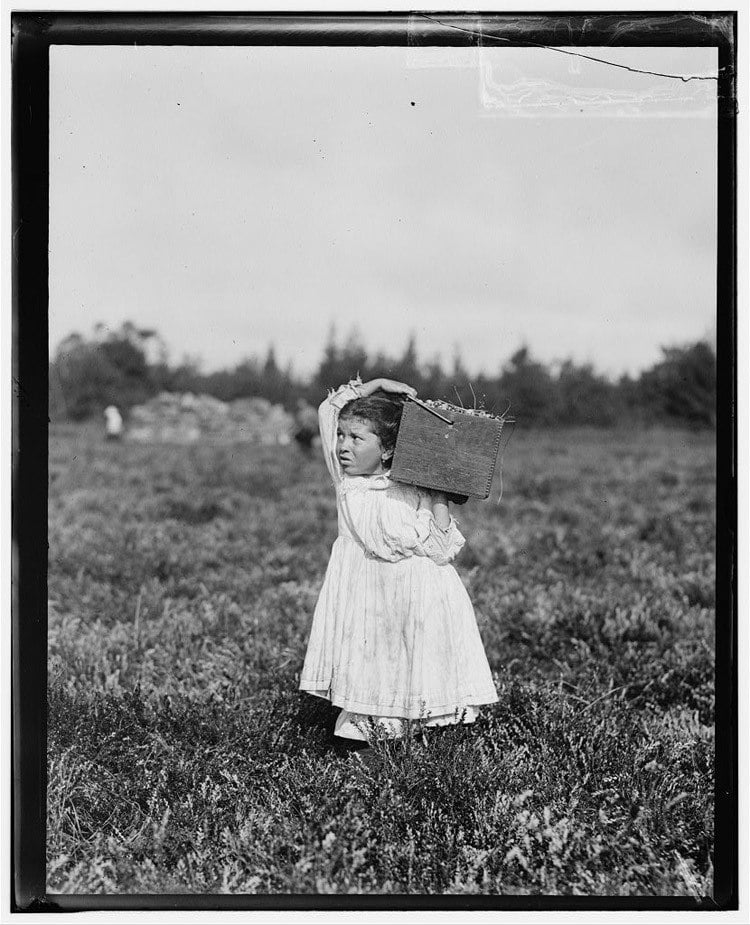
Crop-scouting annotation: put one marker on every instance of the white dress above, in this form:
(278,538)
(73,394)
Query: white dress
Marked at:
(394,636)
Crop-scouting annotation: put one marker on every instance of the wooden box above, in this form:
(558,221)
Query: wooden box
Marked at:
(457,457)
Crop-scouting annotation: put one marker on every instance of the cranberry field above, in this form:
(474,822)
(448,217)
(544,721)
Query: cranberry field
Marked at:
(182,758)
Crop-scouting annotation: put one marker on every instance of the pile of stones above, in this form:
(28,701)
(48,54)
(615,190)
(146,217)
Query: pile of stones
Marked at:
(172,417)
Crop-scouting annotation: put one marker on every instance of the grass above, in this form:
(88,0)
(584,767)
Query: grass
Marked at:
(182,758)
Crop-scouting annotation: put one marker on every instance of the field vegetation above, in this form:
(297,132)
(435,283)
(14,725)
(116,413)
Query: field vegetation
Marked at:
(182,758)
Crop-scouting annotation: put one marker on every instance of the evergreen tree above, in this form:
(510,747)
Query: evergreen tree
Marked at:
(408,365)
(353,358)
(682,387)
(328,369)
(528,386)
(583,397)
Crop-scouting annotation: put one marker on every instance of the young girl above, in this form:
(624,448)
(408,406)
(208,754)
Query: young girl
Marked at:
(394,636)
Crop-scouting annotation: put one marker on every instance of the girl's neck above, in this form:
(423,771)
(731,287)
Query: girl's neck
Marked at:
(370,475)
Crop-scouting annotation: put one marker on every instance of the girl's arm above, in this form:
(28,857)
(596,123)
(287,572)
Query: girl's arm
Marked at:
(328,419)
(445,540)
(440,510)
(387,385)
(437,503)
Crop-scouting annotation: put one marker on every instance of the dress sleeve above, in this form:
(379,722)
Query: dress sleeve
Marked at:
(328,420)
(392,529)
(388,528)
(442,546)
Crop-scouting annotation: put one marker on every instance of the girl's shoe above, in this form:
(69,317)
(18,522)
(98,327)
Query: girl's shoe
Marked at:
(345,747)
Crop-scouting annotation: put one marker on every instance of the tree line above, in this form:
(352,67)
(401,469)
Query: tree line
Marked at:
(129,365)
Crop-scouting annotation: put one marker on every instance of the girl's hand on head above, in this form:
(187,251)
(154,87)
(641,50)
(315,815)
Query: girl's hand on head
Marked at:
(397,388)
(387,385)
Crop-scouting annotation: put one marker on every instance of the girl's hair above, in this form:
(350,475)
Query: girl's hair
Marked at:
(382,411)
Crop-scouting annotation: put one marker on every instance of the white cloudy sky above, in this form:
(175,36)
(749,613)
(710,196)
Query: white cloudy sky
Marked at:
(236,197)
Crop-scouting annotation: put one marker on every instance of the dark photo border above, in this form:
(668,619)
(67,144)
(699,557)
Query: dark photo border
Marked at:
(32,36)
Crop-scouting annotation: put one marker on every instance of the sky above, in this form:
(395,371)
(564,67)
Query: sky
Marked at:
(477,199)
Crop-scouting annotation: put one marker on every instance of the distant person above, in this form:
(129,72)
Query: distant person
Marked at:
(394,636)
(306,425)
(113,423)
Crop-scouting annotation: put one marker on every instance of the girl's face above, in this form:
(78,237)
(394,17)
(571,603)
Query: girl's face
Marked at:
(358,448)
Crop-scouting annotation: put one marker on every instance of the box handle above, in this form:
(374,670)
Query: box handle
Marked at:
(428,408)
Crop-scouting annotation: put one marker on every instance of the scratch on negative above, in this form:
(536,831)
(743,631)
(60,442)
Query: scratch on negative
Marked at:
(576,54)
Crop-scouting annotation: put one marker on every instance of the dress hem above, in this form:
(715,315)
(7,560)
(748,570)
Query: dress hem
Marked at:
(355,726)
(379,709)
